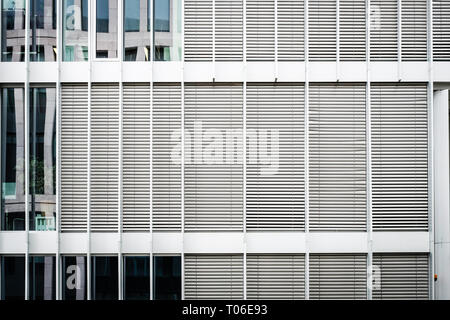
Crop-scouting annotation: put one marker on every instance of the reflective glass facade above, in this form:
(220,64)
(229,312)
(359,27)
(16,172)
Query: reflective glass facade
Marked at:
(42,278)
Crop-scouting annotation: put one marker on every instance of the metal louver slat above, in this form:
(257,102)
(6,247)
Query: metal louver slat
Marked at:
(399,157)
(352,27)
(337,151)
(276,188)
(198,30)
(401,276)
(322,30)
(166,172)
(136,157)
(337,276)
(441,30)
(213,277)
(260,30)
(290,31)
(414,30)
(104,157)
(213,186)
(383,30)
(74,157)
(276,277)
(228,30)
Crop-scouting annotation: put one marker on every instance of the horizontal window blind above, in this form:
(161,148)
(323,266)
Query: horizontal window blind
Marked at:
(275,186)
(337,157)
(104,157)
(414,30)
(198,30)
(441,30)
(275,277)
(401,276)
(399,157)
(352,30)
(260,30)
(213,277)
(383,30)
(291,30)
(166,119)
(337,277)
(136,157)
(322,30)
(74,157)
(228,30)
(213,185)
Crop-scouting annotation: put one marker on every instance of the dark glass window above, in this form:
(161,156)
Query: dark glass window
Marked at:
(42,278)
(104,278)
(137,278)
(12,30)
(13,159)
(42,30)
(136,34)
(167,278)
(162,15)
(132,15)
(102,16)
(42,139)
(130,54)
(12,278)
(85,19)
(74,278)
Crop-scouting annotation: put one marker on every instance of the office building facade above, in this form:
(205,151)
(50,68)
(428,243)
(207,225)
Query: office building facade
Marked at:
(224,149)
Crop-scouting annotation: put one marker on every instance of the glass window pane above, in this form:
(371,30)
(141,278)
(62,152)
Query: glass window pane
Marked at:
(136,30)
(74,278)
(104,278)
(42,30)
(12,162)
(75,30)
(106,33)
(12,278)
(42,161)
(167,278)
(137,278)
(167,30)
(42,271)
(13,30)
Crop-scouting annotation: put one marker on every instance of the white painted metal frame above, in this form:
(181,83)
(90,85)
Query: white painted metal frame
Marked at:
(306,155)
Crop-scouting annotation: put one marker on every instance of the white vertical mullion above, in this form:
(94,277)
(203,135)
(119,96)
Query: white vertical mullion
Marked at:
(152,47)
(182,153)
(430,90)
(368,155)
(306,101)
(58,147)
(91,20)
(399,38)
(338,43)
(120,193)
(214,39)
(244,145)
(276,39)
(27,149)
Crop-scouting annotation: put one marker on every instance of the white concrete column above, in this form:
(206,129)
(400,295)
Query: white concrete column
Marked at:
(441,193)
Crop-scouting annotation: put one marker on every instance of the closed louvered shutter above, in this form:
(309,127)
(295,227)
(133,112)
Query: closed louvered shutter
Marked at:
(441,30)
(198,30)
(290,31)
(337,157)
(276,277)
(414,30)
(213,277)
(228,30)
(74,157)
(401,276)
(275,186)
(399,157)
(104,157)
(213,187)
(136,157)
(260,30)
(352,30)
(322,30)
(383,30)
(337,277)
(166,171)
